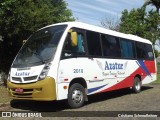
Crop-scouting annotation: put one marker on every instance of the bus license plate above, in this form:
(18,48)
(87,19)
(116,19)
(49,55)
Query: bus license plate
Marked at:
(19,90)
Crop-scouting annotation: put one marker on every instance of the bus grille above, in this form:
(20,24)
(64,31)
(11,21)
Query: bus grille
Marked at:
(16,79)
(30,78)
(19,79)
(27,93)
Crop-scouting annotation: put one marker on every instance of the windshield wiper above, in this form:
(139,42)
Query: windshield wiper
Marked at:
(35,53)
(38,56)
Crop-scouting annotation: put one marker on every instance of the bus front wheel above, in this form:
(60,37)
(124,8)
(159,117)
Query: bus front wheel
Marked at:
(76,96)
(137,85)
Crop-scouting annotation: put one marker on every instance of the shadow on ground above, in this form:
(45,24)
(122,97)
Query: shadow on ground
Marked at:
(55,106)
(40,106)
(113,94)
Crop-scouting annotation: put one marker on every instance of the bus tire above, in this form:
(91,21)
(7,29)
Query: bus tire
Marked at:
(137,85)
(76,96)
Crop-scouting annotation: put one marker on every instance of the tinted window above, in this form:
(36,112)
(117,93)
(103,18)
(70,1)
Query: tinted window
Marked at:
(70,50)
(111,47)
(93,43)
(149,51)
(127,48)
(140,49)
(144,51)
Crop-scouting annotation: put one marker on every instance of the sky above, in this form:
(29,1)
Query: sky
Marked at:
(94,11)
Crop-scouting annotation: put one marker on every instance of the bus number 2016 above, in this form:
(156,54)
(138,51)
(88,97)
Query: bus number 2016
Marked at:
(77,70)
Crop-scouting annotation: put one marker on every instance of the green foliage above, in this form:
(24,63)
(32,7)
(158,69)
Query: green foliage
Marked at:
(131,21)
(141,23)
(20,18)
(156,53)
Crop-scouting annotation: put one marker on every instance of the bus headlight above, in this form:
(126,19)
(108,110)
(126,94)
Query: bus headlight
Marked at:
(44,71)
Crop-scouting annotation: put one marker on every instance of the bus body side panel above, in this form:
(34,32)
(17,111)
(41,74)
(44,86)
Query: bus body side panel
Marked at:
(146,70)
(102,74)
(116,74)
(72,68)
(110,74)
(149,68)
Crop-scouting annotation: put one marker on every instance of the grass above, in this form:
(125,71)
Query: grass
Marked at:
(158,74)
(4,97)
(158,79)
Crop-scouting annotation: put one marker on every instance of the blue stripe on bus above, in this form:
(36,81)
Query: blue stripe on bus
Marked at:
(143,66)
(95,89)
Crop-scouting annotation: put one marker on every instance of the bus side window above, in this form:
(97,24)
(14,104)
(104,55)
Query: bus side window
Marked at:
(70,50)
(140,50)
(149,52)
(93,43)
(105,45)
(127,48)
(144,51)
(111,47)
(80,46)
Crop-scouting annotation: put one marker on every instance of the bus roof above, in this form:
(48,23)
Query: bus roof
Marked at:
(102,30)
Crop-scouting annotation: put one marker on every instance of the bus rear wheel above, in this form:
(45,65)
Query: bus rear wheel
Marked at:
(137,85)
(76,96)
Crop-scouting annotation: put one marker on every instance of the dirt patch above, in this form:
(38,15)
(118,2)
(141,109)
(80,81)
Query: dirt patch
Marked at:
(5,107)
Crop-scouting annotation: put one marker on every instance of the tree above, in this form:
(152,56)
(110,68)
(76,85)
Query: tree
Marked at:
(155,3)
(141,23)
(20,18)
(152,29)
(132,22)
(110,23)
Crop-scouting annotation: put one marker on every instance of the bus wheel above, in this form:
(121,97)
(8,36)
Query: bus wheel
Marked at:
(137,85)
(76,96)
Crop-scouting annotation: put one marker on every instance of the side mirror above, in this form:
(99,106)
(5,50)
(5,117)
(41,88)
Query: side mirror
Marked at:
(74,39)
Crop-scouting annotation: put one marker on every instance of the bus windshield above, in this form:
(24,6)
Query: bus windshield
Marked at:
(40,47)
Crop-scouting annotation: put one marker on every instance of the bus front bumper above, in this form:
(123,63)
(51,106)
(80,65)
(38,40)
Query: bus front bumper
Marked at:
(44,90)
